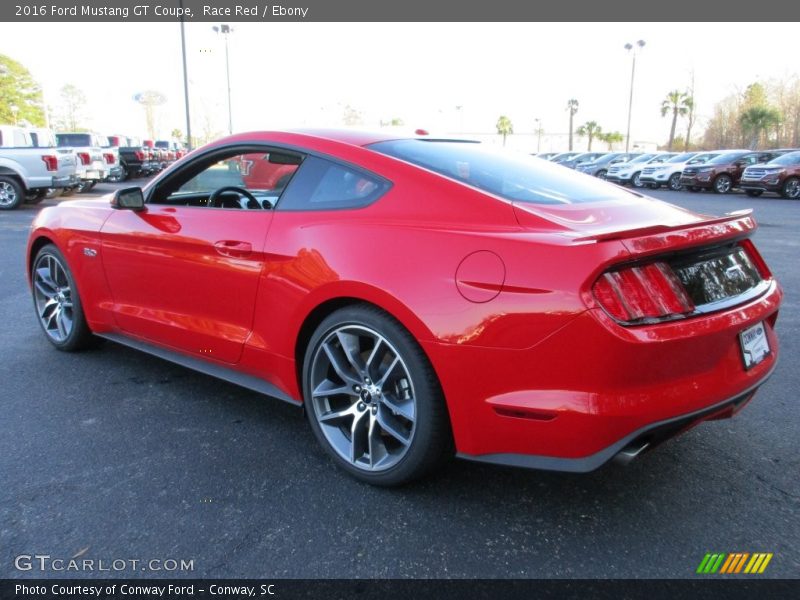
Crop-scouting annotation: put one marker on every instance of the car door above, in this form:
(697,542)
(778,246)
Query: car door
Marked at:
(184,272)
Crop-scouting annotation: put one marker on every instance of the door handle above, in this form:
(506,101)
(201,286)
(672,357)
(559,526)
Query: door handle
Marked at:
(233,248)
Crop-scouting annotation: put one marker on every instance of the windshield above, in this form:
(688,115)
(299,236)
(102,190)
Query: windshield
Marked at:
(724,159)
(162,144)
(793,158)
(641,158)
(564,156)
(681,157)
(511,175)
(701,158)
(659,158)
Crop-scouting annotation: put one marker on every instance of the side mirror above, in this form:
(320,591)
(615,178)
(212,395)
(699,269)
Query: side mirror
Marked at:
(128,199)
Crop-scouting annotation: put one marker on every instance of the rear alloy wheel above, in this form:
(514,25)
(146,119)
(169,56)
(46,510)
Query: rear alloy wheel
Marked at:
(58,306)
(754,193)
(11,193)
(372,398)
(675,182)
(636,180)
(601,174)
(723,184)
(791,188)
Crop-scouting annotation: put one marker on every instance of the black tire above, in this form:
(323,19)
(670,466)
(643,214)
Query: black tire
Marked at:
(125,175)
(430,439)
(636,180)
(68,191)
(723,184)
(36,196)
(674,182)
(601,174)
(86,186)
(754,193)
(694,189)
(11,193)
(791,188)
(79,336)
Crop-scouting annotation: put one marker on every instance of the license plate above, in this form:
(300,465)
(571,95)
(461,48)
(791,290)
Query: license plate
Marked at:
(754,343)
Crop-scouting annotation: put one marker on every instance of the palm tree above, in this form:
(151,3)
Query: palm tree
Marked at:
(757,119)
(689,122)
(504,127)
(572,107)
(611,138)
(674,103)
(591,130)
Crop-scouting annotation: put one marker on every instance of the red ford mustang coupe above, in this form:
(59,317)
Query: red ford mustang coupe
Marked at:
(421,296)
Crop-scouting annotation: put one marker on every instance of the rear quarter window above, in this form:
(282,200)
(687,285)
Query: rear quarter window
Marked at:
(321,184)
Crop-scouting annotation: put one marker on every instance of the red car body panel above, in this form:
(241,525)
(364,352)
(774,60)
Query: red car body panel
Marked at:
(498,294)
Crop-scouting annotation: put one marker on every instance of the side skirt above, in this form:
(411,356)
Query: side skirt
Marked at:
(215,370)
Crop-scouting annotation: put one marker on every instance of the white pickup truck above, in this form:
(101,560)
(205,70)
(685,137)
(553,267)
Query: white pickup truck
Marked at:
(27,172)
(92,165)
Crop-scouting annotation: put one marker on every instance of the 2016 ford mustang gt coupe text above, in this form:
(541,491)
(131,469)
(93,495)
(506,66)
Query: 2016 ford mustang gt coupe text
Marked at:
(420,297)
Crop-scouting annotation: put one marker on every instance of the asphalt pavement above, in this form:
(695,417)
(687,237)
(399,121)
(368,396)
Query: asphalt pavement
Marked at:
(111,454)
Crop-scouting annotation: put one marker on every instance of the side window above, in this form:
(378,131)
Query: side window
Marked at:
(19,139)
(324,185)
(252,180)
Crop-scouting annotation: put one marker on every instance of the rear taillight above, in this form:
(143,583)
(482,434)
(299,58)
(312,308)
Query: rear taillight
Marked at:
(139,155)
(109,158)
(51,162)
(644,293)
(84,158)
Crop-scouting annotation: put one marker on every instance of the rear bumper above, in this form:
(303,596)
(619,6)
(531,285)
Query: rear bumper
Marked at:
(631,446)
(582,395)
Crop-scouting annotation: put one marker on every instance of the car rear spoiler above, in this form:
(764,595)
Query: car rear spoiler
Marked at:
(645,240)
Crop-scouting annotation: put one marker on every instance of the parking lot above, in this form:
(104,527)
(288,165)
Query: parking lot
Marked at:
(114,454)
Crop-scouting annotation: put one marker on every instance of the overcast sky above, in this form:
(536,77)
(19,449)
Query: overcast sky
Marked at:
(290,74)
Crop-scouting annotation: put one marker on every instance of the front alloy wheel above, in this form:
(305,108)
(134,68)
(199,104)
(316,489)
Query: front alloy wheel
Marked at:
(723,184)
(636,180)
(58,307)
(675,182)
(372,398)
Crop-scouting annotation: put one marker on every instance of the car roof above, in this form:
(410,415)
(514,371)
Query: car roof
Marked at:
(356,137)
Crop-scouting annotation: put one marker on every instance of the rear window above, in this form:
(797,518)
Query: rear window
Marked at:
(74,139)
(513,176)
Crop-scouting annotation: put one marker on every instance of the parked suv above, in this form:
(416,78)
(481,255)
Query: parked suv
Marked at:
(669,173)
(631,171)
(600,165)
(584,157)
(780,175)
(723,172)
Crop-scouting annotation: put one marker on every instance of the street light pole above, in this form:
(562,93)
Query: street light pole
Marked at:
(538,135)
(633,50)
(185,84)
(226,30)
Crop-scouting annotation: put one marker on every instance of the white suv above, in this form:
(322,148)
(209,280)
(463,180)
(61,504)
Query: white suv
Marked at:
(631,171)
(669,173)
